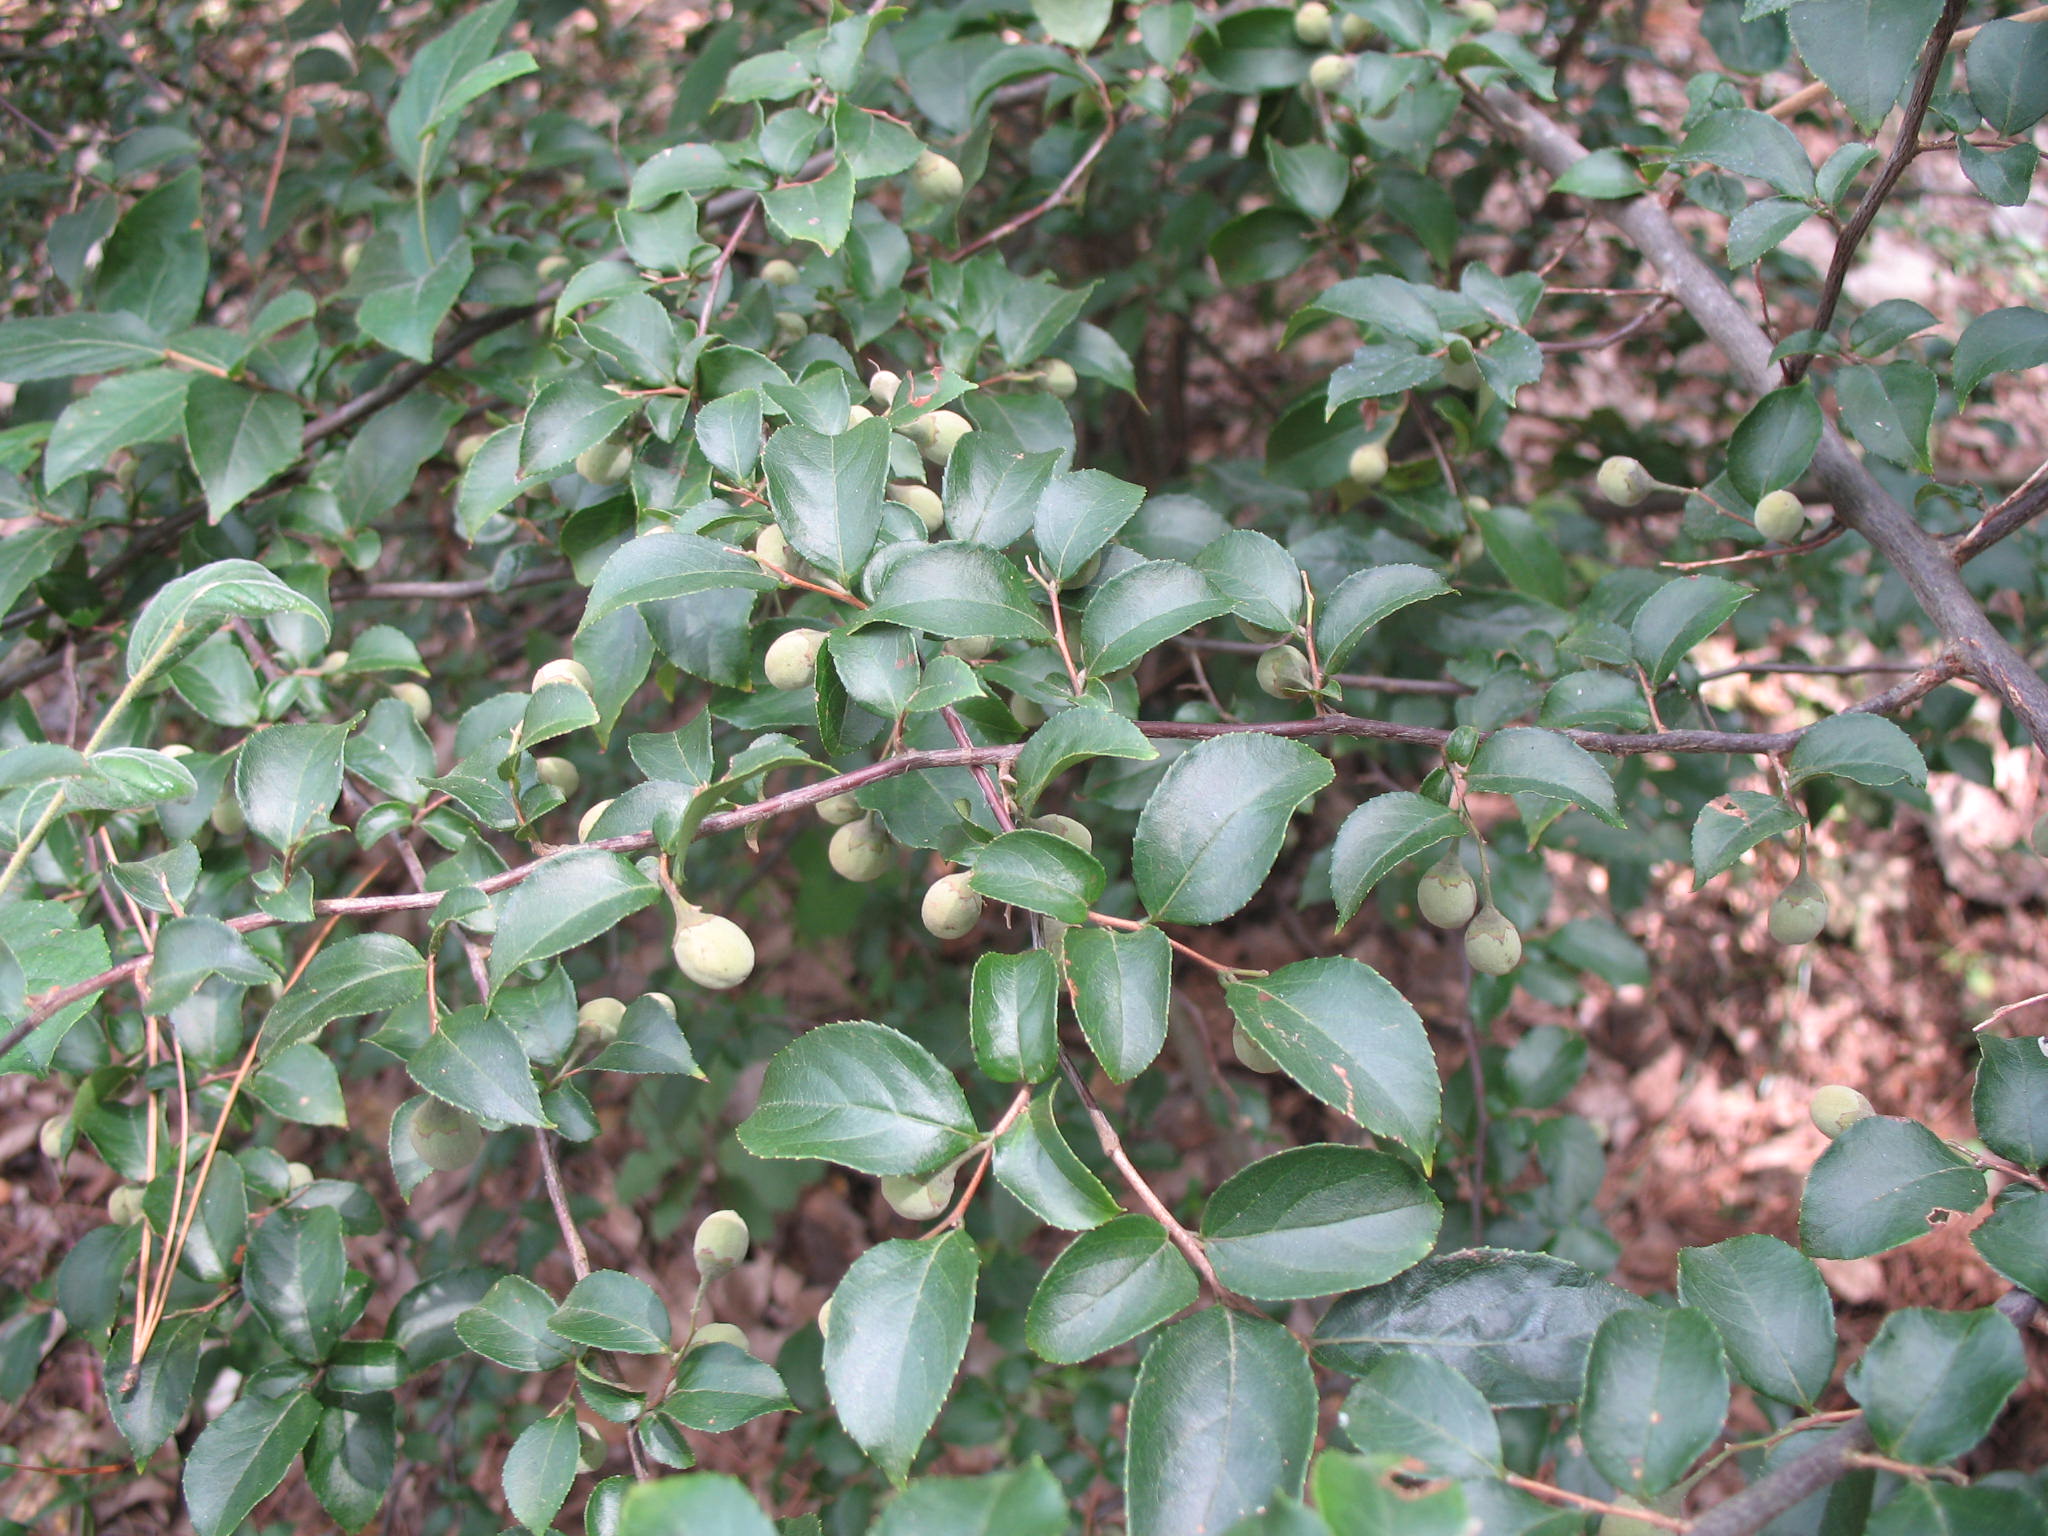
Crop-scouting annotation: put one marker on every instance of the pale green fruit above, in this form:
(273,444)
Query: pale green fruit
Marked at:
(720,1244)
(1356,29)
(1493,947)
(790,327)
(1027,712)
(1283,673)
(333,662)
(124,1205)
(937,178)
(856,414)
(1481,13)
(175,749)
(560,772)
(562,671)
(1447,895)
(1312,24)
(469,448)
(714,952)
(1625,482)
(1800,912)
(1066,827)
(1781,517)
(882,387)
(970,647)
(1368,464)
(589,819)
(1086,574)
(792,661)
(1059,378)
(719,1333)
(2038,838)
(590,1449)
(861,851)
(53,1135)
(825,1319)
(351,256)
(597,1023)
(951,908)
(414,698)
(1331,72)
(839,810)
(605,463)
(227,817)
(942,434)
(296,1177)
(922,500)
(771,545)
(1474,505)
(551,267)
(918,1199)
(1836,1107)
(444,1137)
(1249,1052)
(779,273)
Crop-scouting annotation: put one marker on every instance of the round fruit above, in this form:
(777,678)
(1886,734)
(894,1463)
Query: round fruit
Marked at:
(719,1333)
(1481,13)
(296,1177)
(825,1319)
(856,414)
(1800,912)
(839,810)
(590,1449)
(1492,945)
(792,661)
(720,1244)
(351,255)
(942,434)
(1462,745)
(1066,827)
(1331,72)
(1059,378)
(551,267)
(124,1205)
(951,908)
(414,698)
(333,662)
(1086,574)
(771,545)
(564,671)
(1836,1107)
(918,1199)
(779,273)
(1249,1052)
(1283,673)
(469,448)
(560,772)
(1356,29)
(53,1135)
(1448,896)
(790,328)
(970,647)
(444,1137)
(1368,464)
(861,851)
(922,500)
(605,463)
(597,1023)
(589,819)
(937,178)
(1625,482)
(882,387)
(1781,517)
(1312,24)
(714,952)
(175,749)
(227,817)
(2038,838)
(1027,712)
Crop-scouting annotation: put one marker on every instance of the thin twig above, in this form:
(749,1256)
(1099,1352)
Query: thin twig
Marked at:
(718,267)
(1611,338)
(2008,517)
(1558,1495)
(551,1174)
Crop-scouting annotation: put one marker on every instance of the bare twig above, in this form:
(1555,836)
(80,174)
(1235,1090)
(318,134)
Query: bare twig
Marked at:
(2008,517)
(447,591)
(1747,1512)
(1558,1495)
(551,1174)
(1611,338)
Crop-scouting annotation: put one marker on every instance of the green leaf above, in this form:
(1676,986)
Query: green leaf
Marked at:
(1110,1285)
(1526,551)
(2009,74)
(1338,1028)
(1867,748)
(657,567)
(186,610)
(1374,372)
(404,315)
(492,481)
(992,488)
(1774,443)
(1258,576)
(1313,177)
(1077,514)
(2004,176)
(955,590)
(1931,1383)
(239,439)
(66,345)
(1073,736)
(1120,983)
(900,1320)
(1024,1500)
(143,407)
(1603,174)
(510,1326)
(295,1275)
(708,1502)
(423,1322)
(820,211)
(189,950)
(828,491)
(1078,24)
(162,1395)
(1878,1185)
(2014,1239)
(1595,701)
(862,1095)
(1518,1326)
(1940,1509)
(433,85)
(1883,326)
(1720,838)
(1528,761)
(1864,49)
(1039,872)
(650,1042)
(2002,341)
(350,1463)
(1362,1496)
(1261,246)
(721,1387)
(728,430)
(1214,823)
(154,264)
(1417,1406)
(567,901)
(1762,227)
(1363,599)
(1751,144)
(242,1455)
(1011,1016)
(1656,1393)
(539,1469)
(608,1309)
(1141,607)
(2010,1101)
(1890,410)
(1034,1163)
(1381,834)
(300,1083)
(565,418)
(1222,1420)
(475,1062)
(1771,1307)
(1315,1220)
(364,974)
(287,778)
(1677,617)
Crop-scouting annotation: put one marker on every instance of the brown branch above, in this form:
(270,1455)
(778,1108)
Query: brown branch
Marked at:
(1611,338)
(551,1174)
(1558,1495)
(412,375)
(2008,517)
(1747,1512)
(447,591)
(1057,196)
